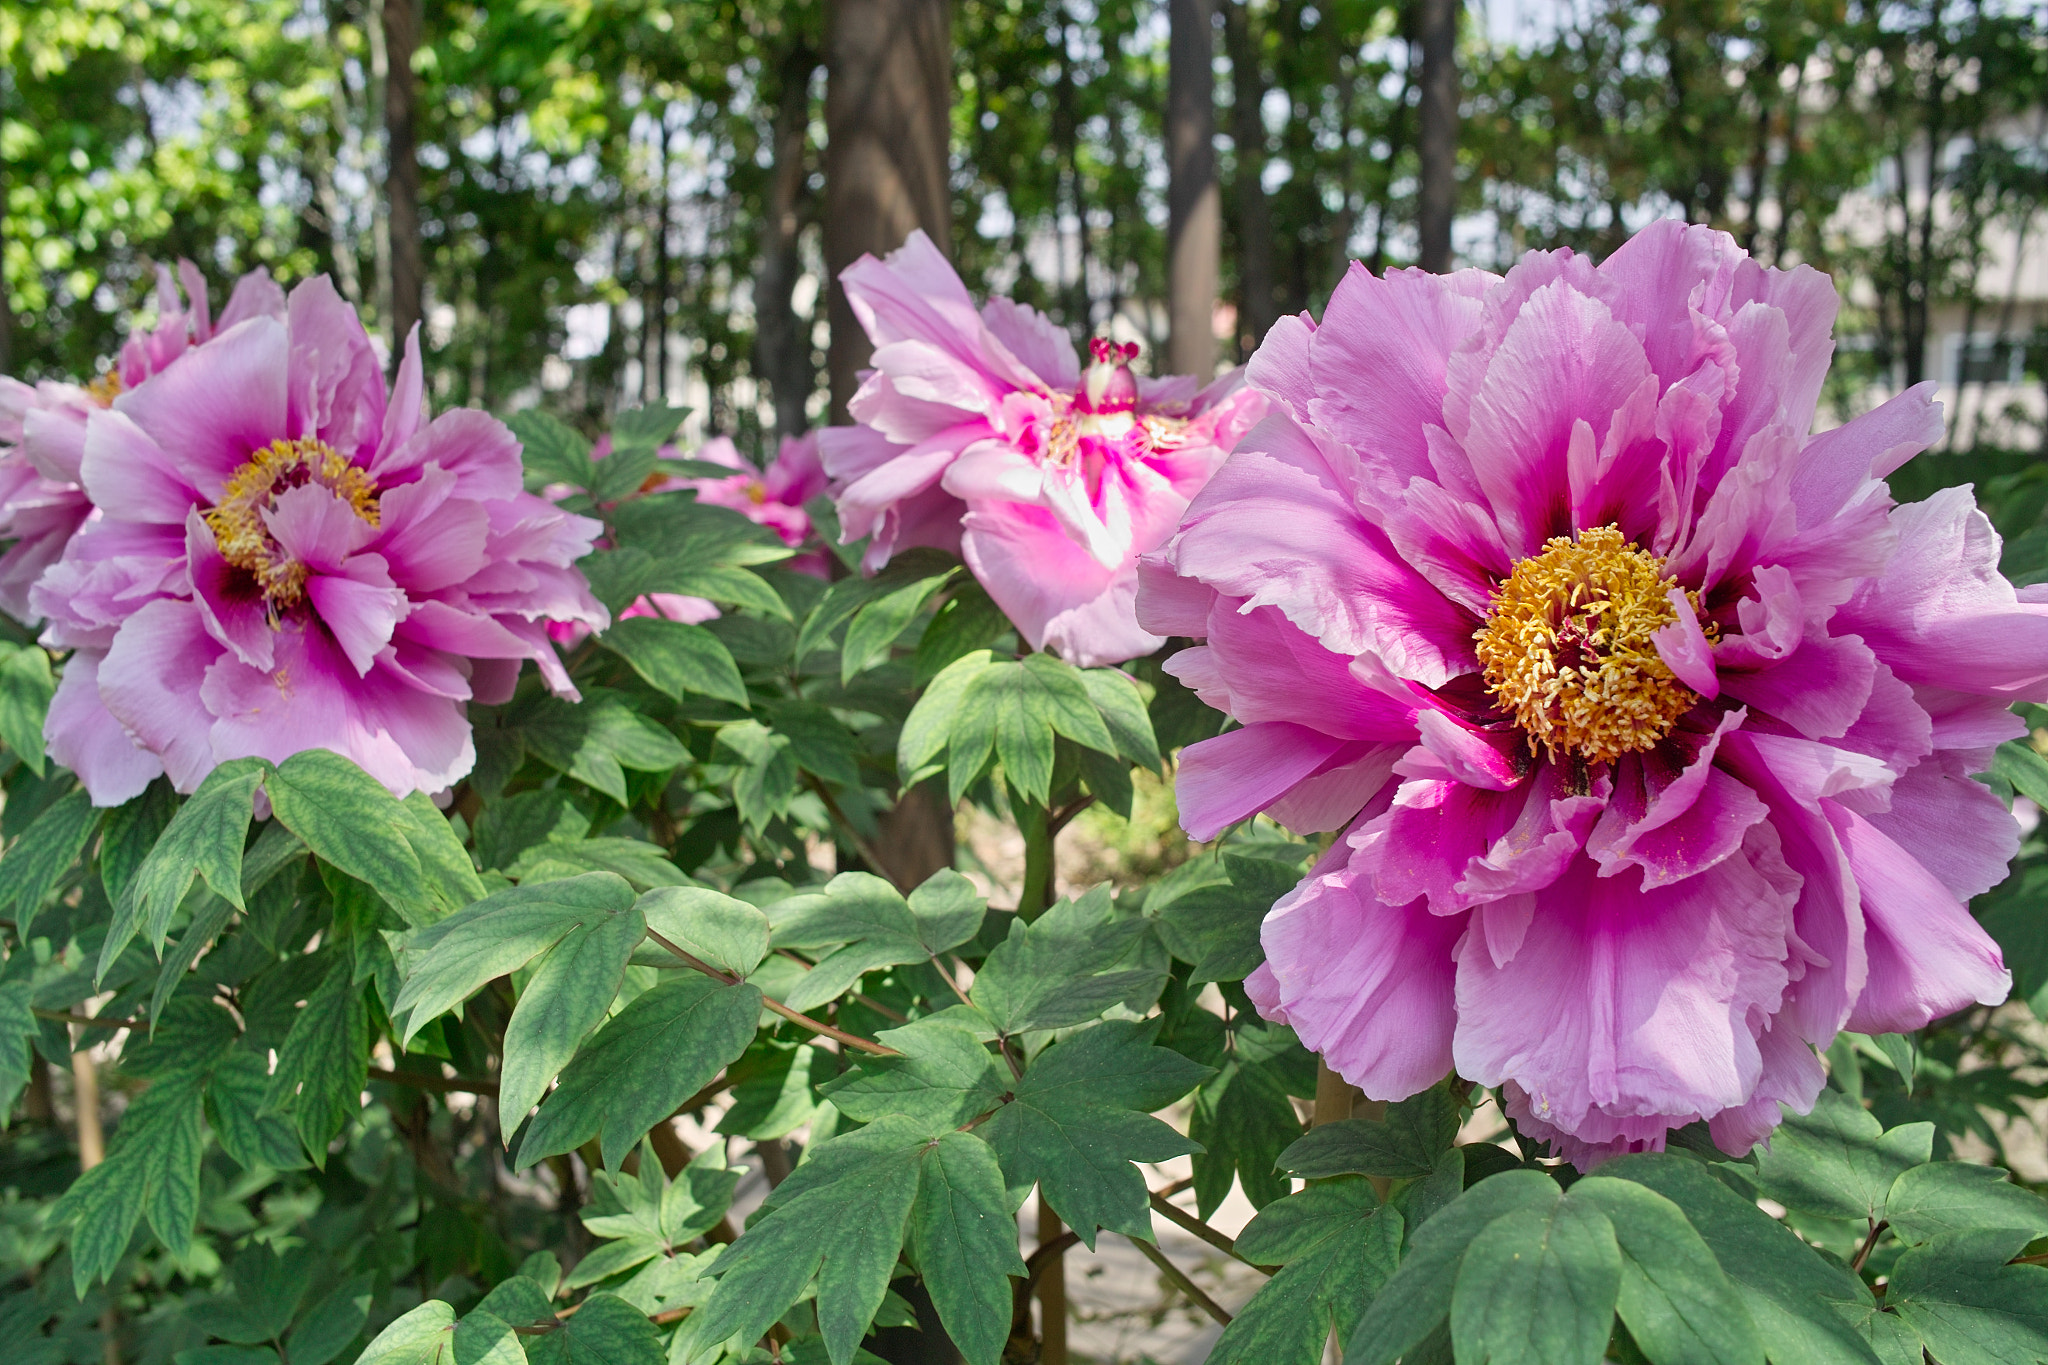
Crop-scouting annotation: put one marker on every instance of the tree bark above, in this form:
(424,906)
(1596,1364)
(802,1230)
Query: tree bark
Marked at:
(1436,140)
(1256,307)
(888,102)
(782,343)
(402,179)
(1194,226)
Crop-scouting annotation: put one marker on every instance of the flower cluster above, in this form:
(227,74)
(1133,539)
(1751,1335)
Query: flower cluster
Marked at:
(1648,717)
(273,552)
(979,431)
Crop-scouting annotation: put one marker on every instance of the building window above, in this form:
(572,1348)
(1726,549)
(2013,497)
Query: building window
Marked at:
(1985,358)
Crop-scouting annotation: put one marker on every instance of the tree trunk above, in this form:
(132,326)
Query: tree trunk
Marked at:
(654,378)
(1255,304)
(1194,205)
(1436,139)
(782,343)
(402,180)
(888,102)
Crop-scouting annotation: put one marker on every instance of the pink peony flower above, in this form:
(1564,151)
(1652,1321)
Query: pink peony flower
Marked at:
(1648,716)
(42,503)
(772,497)
(282,558)
(980,433)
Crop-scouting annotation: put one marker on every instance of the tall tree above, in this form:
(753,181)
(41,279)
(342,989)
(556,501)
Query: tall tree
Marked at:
(888,112)
(1194,233)
(1436,137)
(782,346)
(402,169)
(1256,305)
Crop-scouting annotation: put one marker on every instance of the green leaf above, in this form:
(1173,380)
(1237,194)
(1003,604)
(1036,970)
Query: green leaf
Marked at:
(662,1048)
(774,1088)
(1967,1304)
(1216,927)
(676,658)
(1122,707)
(1017,708)
(879,621)
(1244,1119)
(1956,1196)
(729,934)
(2016,763)
(1415,1299)
(948,910)
(1838,1162)
(447,962)
(348,819)
(1679,1306)
(554,451)
(422,1337)
(818,740)
(25,691)
(1539,1287)
(1403,1146)
(254,1137)
(1082,1114)
(1064,968)
(928,729)
(1800,1303)
(324,1061)
(205,838)
(863,922)
(484,1339)
(331,1324)
(1336,1245)
(839,1218)
(647,427)
(523,1300)
(130,832)
(511,825)
(595,741)
(768,773)
(451,880)
(968,620)
(46,850)
(944,1078)
(152,1170)
(569,995)
(17,1025)
(964,1238)
(641,863)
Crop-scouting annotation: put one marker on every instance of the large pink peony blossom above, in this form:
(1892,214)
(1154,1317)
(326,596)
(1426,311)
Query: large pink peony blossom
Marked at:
(283,557)
(42,428)
(1648,717)
(980,432)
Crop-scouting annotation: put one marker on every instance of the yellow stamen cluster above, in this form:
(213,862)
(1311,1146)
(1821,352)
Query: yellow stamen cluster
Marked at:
(237,519)
(1061,444)
(104,389)
(1567,649)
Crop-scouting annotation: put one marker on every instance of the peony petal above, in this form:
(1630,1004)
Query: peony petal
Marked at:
(84,736)
(1238,774)
(217,405)
(151,680)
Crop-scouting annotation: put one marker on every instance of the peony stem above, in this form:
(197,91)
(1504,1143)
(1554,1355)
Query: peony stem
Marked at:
(1035,824)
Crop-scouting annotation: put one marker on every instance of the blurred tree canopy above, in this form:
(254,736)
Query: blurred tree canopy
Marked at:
(607,184)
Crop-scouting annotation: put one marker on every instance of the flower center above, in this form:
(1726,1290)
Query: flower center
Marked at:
(237,519)
(104,389)
(1568,648)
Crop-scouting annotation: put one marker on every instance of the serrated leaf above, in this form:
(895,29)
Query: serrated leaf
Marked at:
(447,962)
(348,819)
(880,620)
(1955,1196)
(840,1218)
(967,621)
(205,839)
(1336,1246)
(1678,1305)
(1837,1161)
(451,880)
(768,777)
(130,832)
(1244,1119)
(944,1078)
(676,658)
(254,1138)
(1064,968)
(863,921)
(324,1060)
(37,861)
(553,451)
(17,1026)
(1967,1304)
(1216,927)
(568,995)
(26,688)
(964,1237)
(151,1170)
(659,1050)
(729,934)
(1082,1113)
